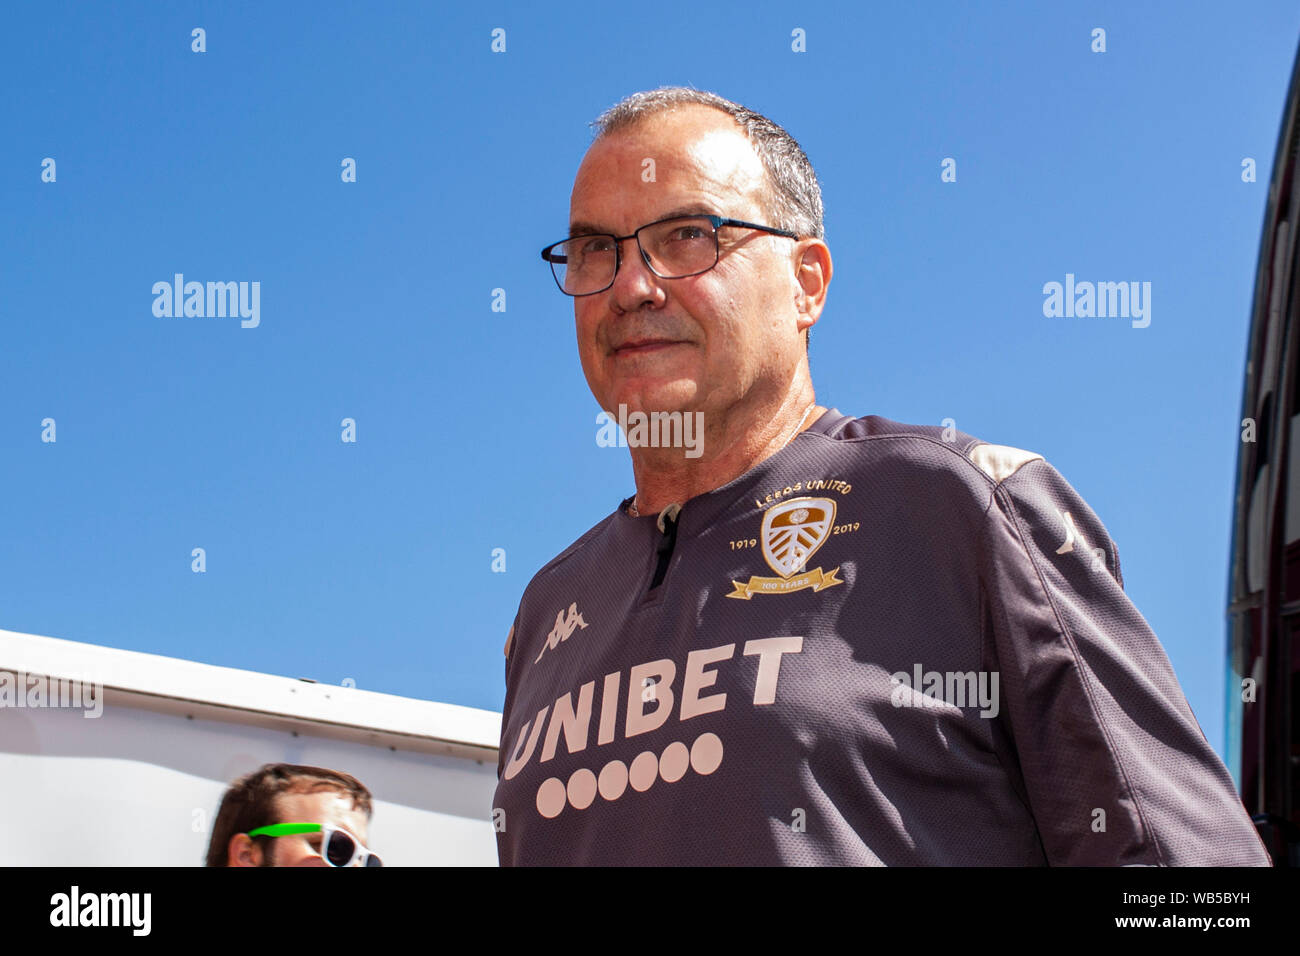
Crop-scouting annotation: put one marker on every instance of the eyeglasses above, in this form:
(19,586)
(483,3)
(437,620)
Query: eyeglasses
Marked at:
(337,847)
(673,249)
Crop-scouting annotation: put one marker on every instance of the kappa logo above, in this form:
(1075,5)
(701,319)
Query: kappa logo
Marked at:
(792,532)
(564,626)
(1072,535)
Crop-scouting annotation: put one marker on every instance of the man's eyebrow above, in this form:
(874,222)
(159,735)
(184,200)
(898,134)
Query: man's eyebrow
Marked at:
(586,229)
(581,228)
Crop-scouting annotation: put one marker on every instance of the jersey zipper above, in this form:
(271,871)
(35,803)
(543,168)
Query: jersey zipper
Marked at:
(668,528)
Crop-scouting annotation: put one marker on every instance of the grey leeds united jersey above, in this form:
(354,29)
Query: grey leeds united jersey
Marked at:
(886,644)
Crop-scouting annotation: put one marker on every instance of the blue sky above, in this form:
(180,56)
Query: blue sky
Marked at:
(475,428)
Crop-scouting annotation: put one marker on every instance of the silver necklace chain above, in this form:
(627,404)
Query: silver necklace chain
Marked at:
(632,509)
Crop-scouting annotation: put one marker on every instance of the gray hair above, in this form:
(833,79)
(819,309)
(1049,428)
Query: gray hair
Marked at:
(793,198)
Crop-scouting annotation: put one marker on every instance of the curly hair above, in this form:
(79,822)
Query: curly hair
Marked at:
(250,802)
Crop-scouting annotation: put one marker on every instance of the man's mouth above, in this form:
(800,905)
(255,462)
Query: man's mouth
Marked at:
(644,346)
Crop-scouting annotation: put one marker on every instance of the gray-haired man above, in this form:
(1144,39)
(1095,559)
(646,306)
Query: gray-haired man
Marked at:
(818,639)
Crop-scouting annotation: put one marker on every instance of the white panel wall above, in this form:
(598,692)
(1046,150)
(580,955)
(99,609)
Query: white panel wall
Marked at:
(140,786)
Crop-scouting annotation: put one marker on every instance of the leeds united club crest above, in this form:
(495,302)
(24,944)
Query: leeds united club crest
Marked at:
(791,534)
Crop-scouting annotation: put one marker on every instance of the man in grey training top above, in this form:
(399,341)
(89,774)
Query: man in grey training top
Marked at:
(809,638)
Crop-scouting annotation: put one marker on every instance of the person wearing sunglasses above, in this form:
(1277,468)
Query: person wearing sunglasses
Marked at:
(334,845)
(290,815)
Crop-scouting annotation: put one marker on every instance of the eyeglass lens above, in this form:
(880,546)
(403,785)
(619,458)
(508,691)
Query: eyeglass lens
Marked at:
(340,848)
(676,248)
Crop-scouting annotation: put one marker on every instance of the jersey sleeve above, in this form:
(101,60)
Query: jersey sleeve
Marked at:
(511,648)
(1115,768)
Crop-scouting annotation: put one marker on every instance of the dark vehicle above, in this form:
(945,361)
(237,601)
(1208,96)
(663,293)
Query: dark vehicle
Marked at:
(1263,732)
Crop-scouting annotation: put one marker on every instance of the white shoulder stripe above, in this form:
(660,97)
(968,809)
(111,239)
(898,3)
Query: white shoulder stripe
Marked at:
(1000,461)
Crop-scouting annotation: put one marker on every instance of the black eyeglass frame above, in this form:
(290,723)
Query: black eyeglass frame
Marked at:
(718,223)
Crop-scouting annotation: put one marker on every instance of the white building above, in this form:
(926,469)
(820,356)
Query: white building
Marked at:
(139,784)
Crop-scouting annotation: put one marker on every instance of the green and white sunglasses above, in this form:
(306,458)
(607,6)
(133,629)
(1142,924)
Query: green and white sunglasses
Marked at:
(338,847)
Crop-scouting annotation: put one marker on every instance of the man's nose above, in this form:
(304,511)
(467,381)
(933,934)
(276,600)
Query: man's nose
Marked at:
(635,282)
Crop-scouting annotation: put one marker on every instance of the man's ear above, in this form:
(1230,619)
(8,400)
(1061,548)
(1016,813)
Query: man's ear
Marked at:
(813,268)
(243,851)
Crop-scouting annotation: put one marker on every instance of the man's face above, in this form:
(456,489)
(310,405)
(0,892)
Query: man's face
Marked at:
(705,342)
(328,807)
